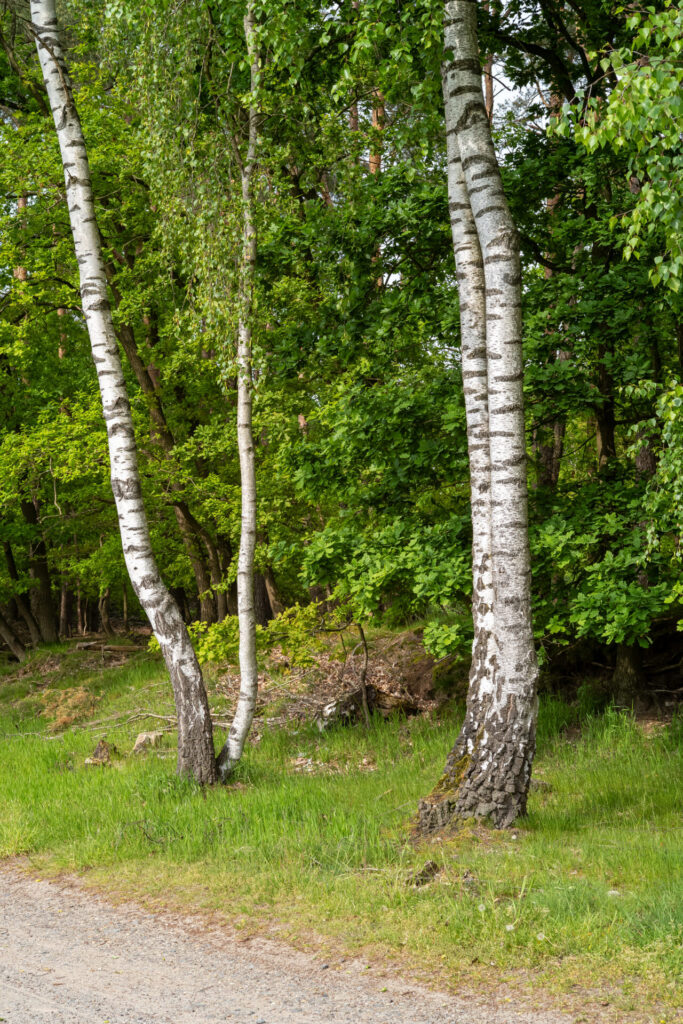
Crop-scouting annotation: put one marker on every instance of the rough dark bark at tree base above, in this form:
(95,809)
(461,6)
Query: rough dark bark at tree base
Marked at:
(195,737)
(490,783)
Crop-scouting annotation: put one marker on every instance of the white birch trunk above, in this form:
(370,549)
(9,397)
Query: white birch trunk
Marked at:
(489,769)
(195,741)
(246,703)
(472,298)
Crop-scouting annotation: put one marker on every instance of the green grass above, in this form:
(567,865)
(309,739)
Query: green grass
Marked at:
(587,888)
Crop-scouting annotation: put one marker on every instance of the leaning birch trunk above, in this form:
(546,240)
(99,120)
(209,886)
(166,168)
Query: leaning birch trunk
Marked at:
(488,772)
(195,741)
(246,703)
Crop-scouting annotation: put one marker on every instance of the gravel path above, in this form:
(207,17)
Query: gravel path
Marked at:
(69,957)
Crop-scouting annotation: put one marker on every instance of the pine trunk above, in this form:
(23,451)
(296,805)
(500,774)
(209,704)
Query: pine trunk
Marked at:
(488,771)
(195,741)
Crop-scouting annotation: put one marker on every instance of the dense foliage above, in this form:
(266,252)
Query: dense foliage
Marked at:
(359,418)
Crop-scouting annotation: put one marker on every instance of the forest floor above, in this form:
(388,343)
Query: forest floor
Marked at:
(578,910)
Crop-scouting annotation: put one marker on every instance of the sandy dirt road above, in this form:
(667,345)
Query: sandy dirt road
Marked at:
(68,956)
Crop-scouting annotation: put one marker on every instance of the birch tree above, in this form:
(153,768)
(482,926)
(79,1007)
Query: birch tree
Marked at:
(246,704)
(195,740)
(488,770)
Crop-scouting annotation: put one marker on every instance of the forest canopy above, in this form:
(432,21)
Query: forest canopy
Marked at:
(359,427)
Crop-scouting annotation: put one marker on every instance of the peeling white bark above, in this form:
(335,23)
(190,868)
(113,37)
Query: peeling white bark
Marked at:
(472,297)
(246,703)
(195,741)
(490,764)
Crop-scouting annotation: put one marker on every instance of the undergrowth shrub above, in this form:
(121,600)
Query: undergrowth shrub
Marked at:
(295,631)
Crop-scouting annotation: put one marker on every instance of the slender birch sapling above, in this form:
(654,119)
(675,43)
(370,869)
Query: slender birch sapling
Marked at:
(246,704)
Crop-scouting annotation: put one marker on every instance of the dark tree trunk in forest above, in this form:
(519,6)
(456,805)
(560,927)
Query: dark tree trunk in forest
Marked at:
(103,608)
(65,611)
(8,635)
(375,159)
(627,679)
(42,604)
(190,532)
(195,739)
(180,597)
(212,574)
(548,447)
(548,442)
(604,413)
(548,438)
(488,771)
(225,555)
(22,604)
(207,607)
(262,608)
(220,597)
(276,604)
(124,604)
(646,458)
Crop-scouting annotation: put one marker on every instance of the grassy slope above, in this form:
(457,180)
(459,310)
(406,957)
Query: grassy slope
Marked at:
(587,890)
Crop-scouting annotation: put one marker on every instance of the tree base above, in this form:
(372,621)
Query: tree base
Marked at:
(486,777)
(502,810)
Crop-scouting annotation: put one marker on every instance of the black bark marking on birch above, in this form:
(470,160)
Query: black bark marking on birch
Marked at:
(480,158)
(464,65)
(494,208)
(465,90)
(471,116)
